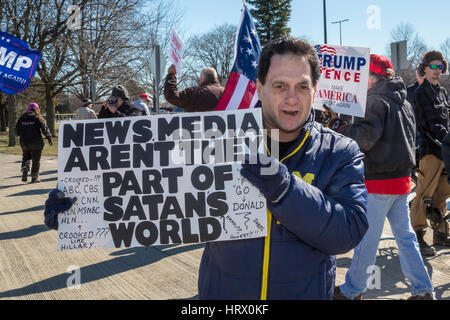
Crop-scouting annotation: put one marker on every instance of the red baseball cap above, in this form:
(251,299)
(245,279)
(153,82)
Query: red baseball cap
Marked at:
(145,96)
(379,64)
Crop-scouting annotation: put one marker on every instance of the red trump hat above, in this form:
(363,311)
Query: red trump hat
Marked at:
(145,96)
(379,64)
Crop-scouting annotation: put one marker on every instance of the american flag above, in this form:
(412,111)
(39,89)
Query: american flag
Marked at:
(325,50)
(240,91)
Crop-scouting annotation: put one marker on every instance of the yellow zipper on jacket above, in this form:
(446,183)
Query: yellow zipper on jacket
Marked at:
(265,273)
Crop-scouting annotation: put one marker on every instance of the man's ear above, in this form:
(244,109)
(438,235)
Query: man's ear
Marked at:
(258,88)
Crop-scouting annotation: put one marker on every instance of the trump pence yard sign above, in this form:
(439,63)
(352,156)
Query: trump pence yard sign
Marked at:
(344,79)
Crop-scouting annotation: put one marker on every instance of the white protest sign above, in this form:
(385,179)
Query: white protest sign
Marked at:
(176,50)
(158,180)
(344,81)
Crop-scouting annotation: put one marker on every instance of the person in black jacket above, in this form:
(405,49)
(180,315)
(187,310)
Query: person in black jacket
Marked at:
(118,105)
(411,90)
(387,138)
(432,114)
(29,128)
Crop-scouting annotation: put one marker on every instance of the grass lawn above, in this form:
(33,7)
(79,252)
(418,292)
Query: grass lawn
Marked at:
(48,149)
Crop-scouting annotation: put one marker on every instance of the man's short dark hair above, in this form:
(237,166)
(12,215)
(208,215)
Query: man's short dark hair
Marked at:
(285,45)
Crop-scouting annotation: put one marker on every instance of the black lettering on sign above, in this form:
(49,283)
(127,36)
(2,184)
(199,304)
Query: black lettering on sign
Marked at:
(111,180)
(231,121)
(76,160)
(142,130)
(171,207)
(192,204)
(172,176)
(73,135)
(222,174)
(129,183)
(122,234)
(164,148)
(151,180)
(189,125)
(152,202)
(186,228)
(214,126)
(94,134)
(249,123)
(143,156)
(120,156)
(146,233)
(98,156)
(210,229)
(113,209)
(168,230)
(117,130)
(218,204)
(202,178)
(167,129)
(134,209)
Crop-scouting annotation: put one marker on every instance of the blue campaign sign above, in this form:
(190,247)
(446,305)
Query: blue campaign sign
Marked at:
(18,64)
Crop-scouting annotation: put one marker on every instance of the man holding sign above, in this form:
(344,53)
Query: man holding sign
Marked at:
(316,195)
(195,99)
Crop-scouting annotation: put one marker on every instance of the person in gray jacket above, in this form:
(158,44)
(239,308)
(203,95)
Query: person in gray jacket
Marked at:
(85,112)
(141,103)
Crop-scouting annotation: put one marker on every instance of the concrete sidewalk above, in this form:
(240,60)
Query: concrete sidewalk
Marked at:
(31,267)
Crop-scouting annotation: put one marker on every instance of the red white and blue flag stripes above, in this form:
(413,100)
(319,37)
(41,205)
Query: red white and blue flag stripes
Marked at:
(324,50)
(240,90)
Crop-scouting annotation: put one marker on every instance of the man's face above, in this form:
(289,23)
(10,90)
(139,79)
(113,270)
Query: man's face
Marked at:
(287,95)
(119,102)
(431,75)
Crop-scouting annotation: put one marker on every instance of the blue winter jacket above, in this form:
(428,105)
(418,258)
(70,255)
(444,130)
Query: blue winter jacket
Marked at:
(322,215)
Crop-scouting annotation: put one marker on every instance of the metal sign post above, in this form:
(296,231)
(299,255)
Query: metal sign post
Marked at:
(157,75)
(158,65)
(399,55)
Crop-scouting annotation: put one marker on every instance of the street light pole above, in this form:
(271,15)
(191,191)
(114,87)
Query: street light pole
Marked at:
(340,28)
(325,21)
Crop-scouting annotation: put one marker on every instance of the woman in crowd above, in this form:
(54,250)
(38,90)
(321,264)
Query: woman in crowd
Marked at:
(29,128)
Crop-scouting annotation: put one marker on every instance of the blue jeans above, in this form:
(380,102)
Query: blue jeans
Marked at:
(395,208)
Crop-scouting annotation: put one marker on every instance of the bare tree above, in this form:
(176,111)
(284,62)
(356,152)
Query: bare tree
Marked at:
(416,48)
(213,49)
(42,24)
(161,16)
(445,49)
(107,45)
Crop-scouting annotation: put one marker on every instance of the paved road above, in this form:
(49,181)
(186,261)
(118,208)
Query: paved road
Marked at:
(31,267)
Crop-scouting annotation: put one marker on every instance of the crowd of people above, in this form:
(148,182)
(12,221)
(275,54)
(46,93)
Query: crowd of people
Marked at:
(361,173)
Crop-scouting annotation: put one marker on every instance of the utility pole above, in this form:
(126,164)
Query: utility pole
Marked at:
(340,28)
(325,21)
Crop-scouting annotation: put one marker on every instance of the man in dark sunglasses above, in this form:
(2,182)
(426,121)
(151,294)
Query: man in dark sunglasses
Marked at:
(436,66)
(433,124)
